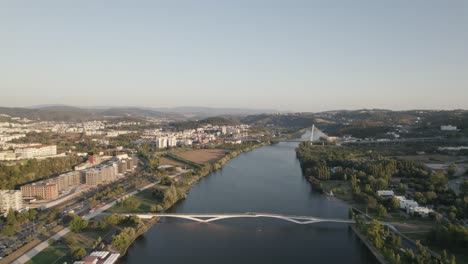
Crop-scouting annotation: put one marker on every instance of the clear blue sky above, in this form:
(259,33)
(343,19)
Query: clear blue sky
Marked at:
(286,55)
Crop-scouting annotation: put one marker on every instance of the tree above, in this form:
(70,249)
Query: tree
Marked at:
(371,202)
(430,196)
(78,224)
(452,169)
(78,253)
(381,211)
(113,219)
(8,251)
(156,208)
(11,218)
(420,198)
(401,188)
(394,204)
(166,181)
(70,241)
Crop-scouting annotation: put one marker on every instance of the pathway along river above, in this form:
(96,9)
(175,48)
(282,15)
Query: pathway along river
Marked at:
(268,179)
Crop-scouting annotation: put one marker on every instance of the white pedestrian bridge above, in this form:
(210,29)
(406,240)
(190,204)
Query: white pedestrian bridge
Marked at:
(210,217)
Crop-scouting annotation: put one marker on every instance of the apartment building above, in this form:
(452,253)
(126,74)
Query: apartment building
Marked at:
(68,180)
(43,190)
(93,177)
(100,175)
(38,151)
(171,141)
(122,167)
(161,142)
(10,199)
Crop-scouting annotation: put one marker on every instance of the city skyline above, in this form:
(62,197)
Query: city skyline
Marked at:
(298,56)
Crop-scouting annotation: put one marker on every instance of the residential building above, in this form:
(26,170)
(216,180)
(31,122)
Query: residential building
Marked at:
(10,199)
(161,142)
(93,177)
(122,167)
(386,193)
(448,128)
(422,211)
(34,152)
(171,142)
(7,155)
(68,180)
(406,204)
(43,190)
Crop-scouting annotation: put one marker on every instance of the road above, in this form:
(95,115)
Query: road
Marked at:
(43,245)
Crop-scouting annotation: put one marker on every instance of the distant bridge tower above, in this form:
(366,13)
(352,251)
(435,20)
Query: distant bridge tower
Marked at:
(312,134)
(317,134)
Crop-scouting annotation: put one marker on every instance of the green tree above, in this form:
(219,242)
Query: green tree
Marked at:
(78,224)
(381,211)
(452,169)
(78,253)
(420,198)
(371,202)
(11,218)
(70,241)
(394,204)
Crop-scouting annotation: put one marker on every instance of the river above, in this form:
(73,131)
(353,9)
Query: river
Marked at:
(268,179)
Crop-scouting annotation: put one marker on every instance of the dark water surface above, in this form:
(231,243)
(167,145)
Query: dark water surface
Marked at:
(269,180)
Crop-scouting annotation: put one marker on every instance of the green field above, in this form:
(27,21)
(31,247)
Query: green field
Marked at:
(145,198)
(55,254)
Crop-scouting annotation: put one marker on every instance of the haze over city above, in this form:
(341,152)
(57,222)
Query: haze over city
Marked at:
(283,55)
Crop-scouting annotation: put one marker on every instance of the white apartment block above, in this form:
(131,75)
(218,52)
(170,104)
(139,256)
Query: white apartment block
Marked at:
(405,203)
(6,138)
(161,142)
(448,128)
(171,142)
(33,152)
(10,199)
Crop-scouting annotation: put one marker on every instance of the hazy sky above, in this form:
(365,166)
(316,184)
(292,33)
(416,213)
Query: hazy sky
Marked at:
(286,55)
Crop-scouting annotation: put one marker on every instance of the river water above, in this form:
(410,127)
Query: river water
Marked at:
(268,179)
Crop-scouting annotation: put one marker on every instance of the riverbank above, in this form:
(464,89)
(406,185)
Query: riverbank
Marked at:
(380,258)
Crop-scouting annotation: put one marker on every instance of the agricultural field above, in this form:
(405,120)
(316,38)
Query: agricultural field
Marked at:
(202,156)
(167,161)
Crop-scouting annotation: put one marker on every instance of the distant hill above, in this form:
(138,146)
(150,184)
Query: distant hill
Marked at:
(68,113)
(201,112)
(297,121)
(354,122)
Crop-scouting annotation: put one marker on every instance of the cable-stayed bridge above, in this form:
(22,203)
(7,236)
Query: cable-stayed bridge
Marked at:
(315,135)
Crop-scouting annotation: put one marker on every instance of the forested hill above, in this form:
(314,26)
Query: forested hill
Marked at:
(67,113)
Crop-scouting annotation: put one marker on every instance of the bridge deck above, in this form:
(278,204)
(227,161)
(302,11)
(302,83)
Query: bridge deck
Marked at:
(210,217)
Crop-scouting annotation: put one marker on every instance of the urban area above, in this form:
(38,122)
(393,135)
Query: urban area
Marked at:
(72,190)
